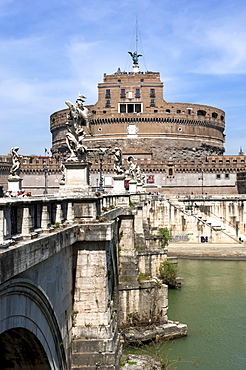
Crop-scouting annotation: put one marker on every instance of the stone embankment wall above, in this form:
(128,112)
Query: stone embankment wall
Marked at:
(200,219)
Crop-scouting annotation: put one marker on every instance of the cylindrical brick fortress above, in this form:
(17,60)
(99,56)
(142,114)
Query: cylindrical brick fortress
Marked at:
(131,113)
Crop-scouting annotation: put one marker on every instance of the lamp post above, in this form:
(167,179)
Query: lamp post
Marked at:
(202,180)
(202,177)
(101,155)
(46,170)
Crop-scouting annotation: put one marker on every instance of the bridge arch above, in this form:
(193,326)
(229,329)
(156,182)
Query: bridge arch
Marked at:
(20,349)
(26,311)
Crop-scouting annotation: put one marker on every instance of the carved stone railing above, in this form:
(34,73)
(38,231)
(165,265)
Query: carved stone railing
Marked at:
(25,218)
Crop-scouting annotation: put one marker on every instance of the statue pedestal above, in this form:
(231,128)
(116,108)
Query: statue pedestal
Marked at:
(139,188)
(76,178)
(132,186)
(14,184)
(119,184)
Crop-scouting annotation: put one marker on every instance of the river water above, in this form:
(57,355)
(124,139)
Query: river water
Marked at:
(212,302)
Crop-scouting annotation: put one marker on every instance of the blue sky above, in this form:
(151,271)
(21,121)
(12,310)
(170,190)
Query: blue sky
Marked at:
(52,50)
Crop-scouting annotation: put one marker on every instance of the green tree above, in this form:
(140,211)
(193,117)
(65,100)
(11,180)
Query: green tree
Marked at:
(168,273)
(165,234)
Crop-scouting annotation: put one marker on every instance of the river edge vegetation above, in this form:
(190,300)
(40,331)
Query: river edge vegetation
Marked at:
(166,235)
(168,273)
(155,351)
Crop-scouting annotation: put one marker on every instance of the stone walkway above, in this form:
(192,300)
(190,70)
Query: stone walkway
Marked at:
(207,251)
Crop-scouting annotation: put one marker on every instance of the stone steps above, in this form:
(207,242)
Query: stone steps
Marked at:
(208,221)
(92,345)
(90,354)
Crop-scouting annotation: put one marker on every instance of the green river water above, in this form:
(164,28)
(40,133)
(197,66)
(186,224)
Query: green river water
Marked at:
(212,302)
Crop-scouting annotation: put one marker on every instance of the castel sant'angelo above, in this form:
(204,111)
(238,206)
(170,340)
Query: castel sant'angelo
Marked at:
(131,113)
(179,146)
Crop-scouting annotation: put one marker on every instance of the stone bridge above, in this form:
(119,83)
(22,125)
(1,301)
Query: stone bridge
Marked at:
(69,273)
(63,287)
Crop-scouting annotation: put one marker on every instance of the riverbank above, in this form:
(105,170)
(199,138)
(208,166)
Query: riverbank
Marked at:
(206,251)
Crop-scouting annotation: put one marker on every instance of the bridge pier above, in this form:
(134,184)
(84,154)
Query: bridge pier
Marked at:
(95,333)
(141,301)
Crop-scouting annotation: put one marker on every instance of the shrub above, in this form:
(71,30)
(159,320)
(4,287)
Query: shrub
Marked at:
(168,273)
(142,277)
(165,235)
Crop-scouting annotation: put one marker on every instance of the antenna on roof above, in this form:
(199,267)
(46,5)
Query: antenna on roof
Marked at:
(135,55)
(136,34)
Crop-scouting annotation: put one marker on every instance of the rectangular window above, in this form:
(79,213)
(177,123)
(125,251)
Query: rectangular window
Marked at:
(138,108)
(152,102)
(122,108)
(218,176)
(152,93)
(122,93)
(107,103)
(107,93)
(137,93)
(227,176)
(130,108)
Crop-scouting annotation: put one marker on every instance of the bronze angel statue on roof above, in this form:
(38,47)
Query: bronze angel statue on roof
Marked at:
(135,57)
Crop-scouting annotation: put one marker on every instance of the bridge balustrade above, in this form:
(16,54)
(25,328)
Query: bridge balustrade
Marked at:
(26,218)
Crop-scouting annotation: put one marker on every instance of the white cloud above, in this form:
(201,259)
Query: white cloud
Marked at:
(54,50)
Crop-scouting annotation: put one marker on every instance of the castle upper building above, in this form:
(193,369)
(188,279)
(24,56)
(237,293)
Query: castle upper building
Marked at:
(131,113)
(179,146)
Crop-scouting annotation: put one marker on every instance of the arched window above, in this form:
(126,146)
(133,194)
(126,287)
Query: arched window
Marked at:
(170,172)
(214,115)
(201,113)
